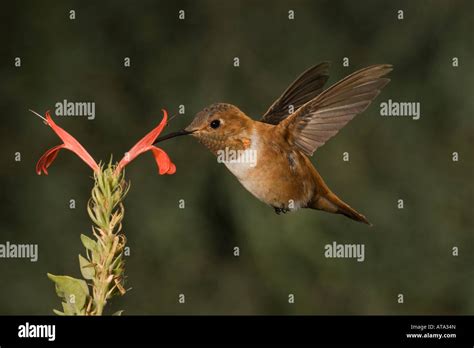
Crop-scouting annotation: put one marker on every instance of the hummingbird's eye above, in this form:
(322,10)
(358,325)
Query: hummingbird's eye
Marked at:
(215,124)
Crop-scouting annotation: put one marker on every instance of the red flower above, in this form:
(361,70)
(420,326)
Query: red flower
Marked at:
(69,143)
(165,166)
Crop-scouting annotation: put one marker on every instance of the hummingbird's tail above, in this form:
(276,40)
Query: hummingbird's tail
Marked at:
(331,203)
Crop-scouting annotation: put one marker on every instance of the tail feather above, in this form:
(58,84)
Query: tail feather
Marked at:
(332,204)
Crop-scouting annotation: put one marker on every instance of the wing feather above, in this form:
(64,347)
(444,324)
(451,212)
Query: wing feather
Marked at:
(306,87)
(321,118)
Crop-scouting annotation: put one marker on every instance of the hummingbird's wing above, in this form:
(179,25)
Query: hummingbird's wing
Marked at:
(307,86)
(321,118)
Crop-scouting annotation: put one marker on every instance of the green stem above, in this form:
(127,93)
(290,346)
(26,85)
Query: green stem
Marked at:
(109,191)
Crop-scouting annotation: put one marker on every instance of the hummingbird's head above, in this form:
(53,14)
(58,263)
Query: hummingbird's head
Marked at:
(215,126)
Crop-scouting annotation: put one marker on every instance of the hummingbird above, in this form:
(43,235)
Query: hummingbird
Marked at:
(298,123)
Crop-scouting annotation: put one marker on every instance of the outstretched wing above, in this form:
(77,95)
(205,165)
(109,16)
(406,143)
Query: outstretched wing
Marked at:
(321,118)
(307,86)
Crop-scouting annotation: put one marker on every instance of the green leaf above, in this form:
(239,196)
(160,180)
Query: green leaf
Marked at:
(117,262)
(89,243)
(107,184)
(118,313)
(91,213)
(68,308)
(87,268)
(58,312)
(73,291)
(101,222)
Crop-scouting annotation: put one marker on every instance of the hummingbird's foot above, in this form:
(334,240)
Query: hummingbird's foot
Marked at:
(281,210)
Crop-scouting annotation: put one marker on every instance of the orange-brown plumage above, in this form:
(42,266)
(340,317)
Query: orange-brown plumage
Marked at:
(297,123)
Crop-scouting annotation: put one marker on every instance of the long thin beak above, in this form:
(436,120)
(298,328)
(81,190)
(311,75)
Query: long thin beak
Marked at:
(172,135)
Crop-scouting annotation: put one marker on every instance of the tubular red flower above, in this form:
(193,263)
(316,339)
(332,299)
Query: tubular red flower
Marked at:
(165,166)
(69,143)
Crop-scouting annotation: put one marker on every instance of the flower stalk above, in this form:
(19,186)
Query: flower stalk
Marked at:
(104,266)
(106,210)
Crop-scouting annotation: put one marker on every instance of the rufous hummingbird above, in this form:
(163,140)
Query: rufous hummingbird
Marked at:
(300,121)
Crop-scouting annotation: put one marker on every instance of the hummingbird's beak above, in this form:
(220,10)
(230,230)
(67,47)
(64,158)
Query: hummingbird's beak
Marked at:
(172,135)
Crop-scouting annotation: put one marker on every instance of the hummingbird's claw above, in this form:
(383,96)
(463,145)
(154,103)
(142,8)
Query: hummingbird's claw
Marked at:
(278,210)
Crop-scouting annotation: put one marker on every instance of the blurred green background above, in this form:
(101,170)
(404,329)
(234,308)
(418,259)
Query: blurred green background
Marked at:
(189,62)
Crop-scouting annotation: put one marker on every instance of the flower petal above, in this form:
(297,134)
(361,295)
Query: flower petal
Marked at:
(144,144)
(172,169)
(71,143)
(162,160)
(48,157)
